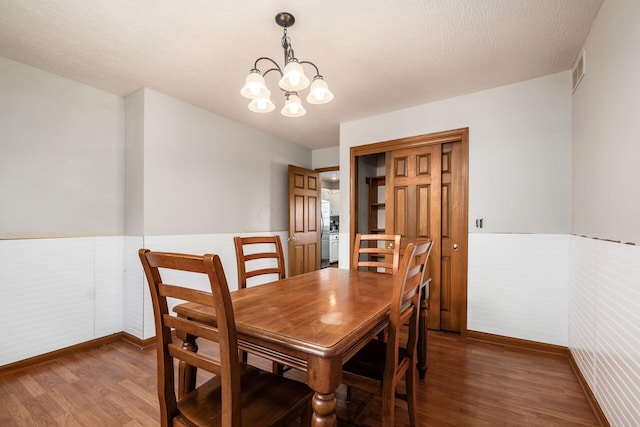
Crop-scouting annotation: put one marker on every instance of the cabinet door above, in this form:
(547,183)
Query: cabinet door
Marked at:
(335,202)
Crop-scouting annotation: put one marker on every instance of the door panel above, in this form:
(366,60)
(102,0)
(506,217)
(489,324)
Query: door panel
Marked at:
(453,238)
(413,200)
(304,218)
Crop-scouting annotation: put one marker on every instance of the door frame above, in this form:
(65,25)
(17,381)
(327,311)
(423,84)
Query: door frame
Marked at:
(454,135)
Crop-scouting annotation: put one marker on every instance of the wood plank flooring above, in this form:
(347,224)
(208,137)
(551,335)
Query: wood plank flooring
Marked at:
(469,383)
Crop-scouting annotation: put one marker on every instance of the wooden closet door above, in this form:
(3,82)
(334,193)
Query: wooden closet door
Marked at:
(425,199)
(453,238)
(413,206)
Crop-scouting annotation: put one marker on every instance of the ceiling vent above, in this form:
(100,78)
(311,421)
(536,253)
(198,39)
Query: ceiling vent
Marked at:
(578,71)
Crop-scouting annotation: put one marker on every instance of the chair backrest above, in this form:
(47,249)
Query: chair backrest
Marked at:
(423,250)
(380,252)
(405,307)
(257,256)
(228,366)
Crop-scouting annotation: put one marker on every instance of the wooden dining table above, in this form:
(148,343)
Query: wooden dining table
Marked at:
(313,322)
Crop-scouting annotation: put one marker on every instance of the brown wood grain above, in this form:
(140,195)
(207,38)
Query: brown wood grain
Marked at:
(469,383)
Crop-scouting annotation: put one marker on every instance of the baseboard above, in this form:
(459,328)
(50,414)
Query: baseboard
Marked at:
(21,364)
(517,342)
(602,419)
(138,342)
(547,348)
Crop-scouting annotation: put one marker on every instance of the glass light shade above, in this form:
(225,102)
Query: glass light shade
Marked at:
(255,87)
(293,77)
(319,92)
(293,107)
(261,105)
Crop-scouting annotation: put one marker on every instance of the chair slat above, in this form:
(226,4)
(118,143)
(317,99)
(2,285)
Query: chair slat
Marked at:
(186,294)
(191,327)
(196,360)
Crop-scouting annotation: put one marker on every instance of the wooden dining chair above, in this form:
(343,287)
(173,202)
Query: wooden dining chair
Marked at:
(259,256)
(377,252)
(379,366)
(238,394)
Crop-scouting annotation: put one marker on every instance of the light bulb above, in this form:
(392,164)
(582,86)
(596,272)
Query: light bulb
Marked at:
(293,77)
(293,106)
(261,105)
(319,92)
(254,86)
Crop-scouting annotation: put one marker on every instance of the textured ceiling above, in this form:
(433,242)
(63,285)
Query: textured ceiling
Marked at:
(376,56)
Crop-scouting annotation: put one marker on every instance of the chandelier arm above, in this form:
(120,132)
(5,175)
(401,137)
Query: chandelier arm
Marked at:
(272,69)
(313,65)
(277,67)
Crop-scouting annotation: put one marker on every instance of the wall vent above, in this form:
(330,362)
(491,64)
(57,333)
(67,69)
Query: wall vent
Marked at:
(578,70)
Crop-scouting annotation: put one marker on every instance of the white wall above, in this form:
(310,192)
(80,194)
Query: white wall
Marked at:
(519,150)
(604,325)
(61,156)
(207,174)
(606,151)
(519,182)
(326,157)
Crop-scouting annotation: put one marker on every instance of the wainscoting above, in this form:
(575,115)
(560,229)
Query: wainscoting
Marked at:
(604,324)
(57,293)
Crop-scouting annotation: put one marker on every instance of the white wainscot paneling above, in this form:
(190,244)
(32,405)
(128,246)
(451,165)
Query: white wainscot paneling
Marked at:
(605,324)
(53,291)
(135,290)
(518,286)
(582,305)
(109,266)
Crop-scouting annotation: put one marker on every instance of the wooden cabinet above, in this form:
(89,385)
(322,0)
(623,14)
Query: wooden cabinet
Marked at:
(376,204)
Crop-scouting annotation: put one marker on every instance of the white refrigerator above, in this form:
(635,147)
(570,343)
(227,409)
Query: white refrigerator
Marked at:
(325,220)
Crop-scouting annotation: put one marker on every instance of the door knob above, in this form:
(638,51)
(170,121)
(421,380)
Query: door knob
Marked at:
(455,246)
(292,239)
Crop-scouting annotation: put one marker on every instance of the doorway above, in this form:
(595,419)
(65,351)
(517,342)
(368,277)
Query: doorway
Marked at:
(424,194)
(330,216)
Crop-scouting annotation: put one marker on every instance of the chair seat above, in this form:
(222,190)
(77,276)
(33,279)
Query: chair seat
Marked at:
(265,400)
(369,362)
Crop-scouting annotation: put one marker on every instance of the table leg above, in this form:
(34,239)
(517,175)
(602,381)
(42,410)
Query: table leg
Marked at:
(186,372)
(422,337)
(324,376)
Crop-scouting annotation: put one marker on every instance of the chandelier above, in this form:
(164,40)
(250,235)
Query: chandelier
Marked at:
(292,80)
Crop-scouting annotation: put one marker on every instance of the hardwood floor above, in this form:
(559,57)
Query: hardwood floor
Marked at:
(469,383)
